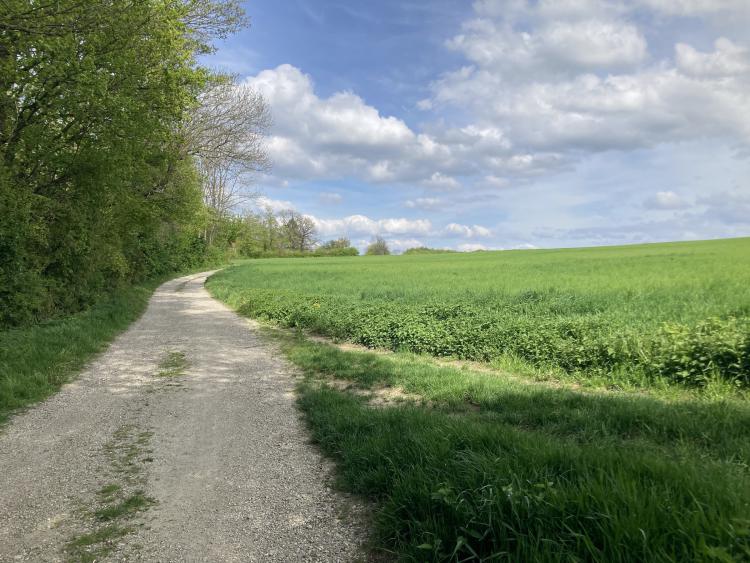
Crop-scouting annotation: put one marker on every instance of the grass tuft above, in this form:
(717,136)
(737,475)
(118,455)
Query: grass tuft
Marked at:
(126,508)
(95,545)
(173,365)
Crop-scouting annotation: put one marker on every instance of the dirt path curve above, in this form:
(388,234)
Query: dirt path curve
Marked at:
(208,461)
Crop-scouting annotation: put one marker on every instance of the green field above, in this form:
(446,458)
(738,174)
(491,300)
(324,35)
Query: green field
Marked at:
(612,424)
(677,312)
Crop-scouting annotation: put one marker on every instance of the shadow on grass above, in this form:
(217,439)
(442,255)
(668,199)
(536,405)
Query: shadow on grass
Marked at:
(538,473)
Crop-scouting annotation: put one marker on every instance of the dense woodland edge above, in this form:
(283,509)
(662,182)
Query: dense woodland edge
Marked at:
(121,157)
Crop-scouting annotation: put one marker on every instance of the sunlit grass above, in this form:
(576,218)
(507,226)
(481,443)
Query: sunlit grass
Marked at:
(475,466)
(679,311)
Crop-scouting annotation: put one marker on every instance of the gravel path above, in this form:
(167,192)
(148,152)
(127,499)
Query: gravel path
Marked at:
(208,461)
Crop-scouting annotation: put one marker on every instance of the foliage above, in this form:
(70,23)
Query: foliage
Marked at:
(676,312)
(95,189)
(298,231)
(266,235)
(345,251)
(378,247)
(338,243)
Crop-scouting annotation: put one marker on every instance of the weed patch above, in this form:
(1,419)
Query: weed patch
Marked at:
(117,503)
(173,365)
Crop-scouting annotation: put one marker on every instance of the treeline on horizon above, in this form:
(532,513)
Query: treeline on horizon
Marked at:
(266,234)
(120,155)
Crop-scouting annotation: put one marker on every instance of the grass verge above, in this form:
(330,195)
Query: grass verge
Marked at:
(479,467)
(36,361)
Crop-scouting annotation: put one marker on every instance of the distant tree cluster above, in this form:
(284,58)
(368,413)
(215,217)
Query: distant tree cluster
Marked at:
(287,233)
(378,247)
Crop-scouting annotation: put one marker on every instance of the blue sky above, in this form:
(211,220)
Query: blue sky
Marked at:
(504,123)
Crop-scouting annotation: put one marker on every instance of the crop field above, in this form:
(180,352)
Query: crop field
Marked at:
(678,312)
(611,422)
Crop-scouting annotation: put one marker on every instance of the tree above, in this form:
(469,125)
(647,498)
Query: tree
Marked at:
(225,134)
(338,243)
(299,230)
(96,188)
(378,247)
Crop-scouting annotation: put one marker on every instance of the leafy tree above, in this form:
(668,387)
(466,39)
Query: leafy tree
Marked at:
(378,247)
(337,243)
(299,231)
(96,189)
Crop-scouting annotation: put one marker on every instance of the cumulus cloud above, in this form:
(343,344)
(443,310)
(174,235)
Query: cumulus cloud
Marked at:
(440,181)
(363,225)
(458,230)
(553,77)
(471,247)
(728,59)
(731,8)
(553,47)
(274,205)
(342,135)
(399,245)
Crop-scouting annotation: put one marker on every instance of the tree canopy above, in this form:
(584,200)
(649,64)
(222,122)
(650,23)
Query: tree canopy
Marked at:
(96,188)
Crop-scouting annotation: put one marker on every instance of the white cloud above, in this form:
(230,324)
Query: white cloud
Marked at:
(471,247)
(666,200)
(553,46)
(399,245)
(439,181)
(363,225)
(727,60)
(735,8)
(458,230)
(341,135)
(576,83)
(274,205)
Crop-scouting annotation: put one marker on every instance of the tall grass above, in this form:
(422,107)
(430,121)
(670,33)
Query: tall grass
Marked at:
(488,468)
(679,311)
